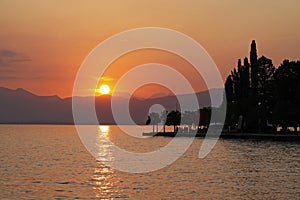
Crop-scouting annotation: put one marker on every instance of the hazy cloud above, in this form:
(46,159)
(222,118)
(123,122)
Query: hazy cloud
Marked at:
(106,78)
(9,57)
(8,53)
(12,77)
(9,61)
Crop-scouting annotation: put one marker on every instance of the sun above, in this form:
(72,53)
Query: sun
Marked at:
(103,89)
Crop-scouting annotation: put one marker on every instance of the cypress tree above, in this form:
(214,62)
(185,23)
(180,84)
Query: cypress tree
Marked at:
(239,65)
(229,89)
(254,72)
(255,116)
(247,76)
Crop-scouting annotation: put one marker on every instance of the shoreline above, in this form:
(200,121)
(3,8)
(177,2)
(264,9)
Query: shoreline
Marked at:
(257,136)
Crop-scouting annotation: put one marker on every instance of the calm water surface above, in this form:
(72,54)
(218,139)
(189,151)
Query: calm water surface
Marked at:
(49,162)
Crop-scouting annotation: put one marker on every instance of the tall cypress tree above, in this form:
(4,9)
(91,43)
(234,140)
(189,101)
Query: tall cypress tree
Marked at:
(254,72)
(239,81)
(239,65)
(247,76)
(254,122)
(229,89)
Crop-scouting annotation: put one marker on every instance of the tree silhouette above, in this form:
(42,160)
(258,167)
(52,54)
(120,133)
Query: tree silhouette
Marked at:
(163,118)
(260,94)
(173,119)
(287,94)
(246,78)
(253,121)
(265,91)
(155,119)
(254,71)
(189,118)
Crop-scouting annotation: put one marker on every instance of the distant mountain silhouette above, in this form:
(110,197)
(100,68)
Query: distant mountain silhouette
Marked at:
(22,107)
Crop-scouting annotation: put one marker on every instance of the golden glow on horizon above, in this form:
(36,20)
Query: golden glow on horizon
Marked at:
(103,89)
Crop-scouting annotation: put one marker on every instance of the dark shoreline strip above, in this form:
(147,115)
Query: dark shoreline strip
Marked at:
(262,136)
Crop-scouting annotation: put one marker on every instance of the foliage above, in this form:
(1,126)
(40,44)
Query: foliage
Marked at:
(173,118)
(260,94)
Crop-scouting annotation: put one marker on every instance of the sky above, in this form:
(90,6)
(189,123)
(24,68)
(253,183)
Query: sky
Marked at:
(43,43)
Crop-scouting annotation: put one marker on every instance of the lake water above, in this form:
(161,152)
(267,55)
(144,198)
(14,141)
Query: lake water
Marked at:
(50,162)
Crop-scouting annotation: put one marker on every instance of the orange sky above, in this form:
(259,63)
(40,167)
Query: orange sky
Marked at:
(43,43)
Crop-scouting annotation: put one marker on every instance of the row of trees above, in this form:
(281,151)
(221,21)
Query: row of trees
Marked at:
(174,118)
(260,96)
(200,119)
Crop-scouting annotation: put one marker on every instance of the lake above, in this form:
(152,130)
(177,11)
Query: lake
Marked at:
(50,162)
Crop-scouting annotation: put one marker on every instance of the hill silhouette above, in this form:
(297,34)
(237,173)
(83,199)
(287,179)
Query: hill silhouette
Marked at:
(22,107)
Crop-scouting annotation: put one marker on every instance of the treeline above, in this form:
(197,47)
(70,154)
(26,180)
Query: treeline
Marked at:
(261,97)
(173,118)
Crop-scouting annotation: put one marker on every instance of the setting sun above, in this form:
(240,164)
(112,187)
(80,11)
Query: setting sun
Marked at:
(104,89)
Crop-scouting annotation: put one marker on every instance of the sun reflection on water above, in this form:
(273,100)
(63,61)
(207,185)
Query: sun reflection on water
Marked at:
(104,182)
(104,179)
(104,129)
(104,148)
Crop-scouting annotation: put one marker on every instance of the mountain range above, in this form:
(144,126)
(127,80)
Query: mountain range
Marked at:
(22,107)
